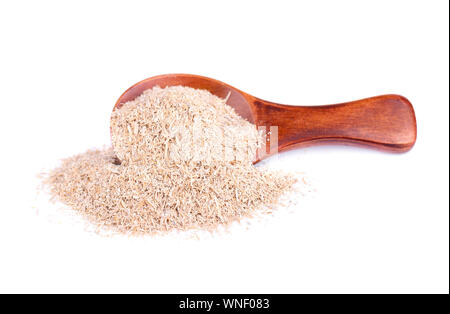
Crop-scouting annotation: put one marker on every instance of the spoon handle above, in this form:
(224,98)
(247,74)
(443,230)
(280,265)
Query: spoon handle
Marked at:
(385,122)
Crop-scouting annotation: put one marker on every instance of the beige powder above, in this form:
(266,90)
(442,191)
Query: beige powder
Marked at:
(186,163)
(182,124)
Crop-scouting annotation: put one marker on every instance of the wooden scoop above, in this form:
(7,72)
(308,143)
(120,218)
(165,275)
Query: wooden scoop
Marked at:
(384,122)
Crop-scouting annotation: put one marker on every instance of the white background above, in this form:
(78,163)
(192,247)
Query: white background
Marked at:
(378,222)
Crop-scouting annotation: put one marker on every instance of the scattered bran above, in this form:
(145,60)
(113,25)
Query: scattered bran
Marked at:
(184,161)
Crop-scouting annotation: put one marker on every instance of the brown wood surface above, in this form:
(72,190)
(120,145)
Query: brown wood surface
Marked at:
(384,122)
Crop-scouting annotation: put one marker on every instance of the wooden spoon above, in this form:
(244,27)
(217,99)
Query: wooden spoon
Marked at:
(384,122)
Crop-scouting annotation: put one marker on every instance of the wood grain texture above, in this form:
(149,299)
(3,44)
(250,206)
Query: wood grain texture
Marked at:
(384,122)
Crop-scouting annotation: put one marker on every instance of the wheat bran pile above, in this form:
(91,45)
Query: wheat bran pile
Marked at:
(182,160)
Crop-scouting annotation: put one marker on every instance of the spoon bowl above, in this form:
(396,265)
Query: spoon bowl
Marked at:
(384,122)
